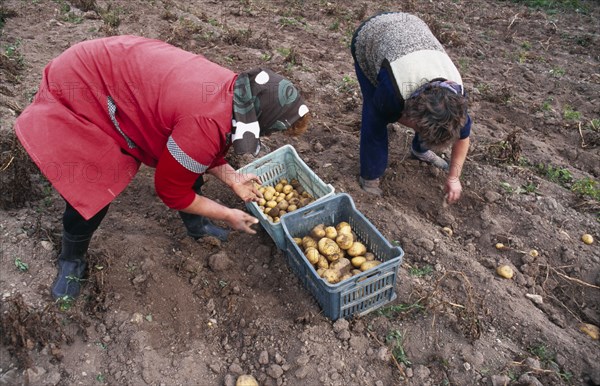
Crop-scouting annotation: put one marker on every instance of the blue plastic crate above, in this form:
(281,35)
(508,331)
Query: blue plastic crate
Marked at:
(359,294)
(284,163)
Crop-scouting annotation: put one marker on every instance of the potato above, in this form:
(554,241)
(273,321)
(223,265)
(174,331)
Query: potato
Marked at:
(283,205)
(312,255)
(587,239)
(283,181)
(505,271)
(335,256)
(343,265)
(358,261)
(369,264)
(246,380)
(345,276)
(271,204)
(330,233)
(592,330)
(262,202)
(298,241)
(322,262)
(307,242)
(357,249)
(287,189)
(328,247)
(262,189)
(292,208)
(344,240)
(304,201)
(276,219)
(278,187)
(320,271)
(289,196)
(331,276)
(274,212)
(295,183)
(369,256)
(294,201)
(355,272)
(318,232)
(279,198)
(268,195)
(343,227)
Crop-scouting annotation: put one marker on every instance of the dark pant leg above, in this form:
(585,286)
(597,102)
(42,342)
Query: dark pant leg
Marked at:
(75,224)
(418,145)
(198,185)
(373,132)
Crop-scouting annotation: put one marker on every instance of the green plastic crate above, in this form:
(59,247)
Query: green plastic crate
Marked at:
(284,163)
(359,294)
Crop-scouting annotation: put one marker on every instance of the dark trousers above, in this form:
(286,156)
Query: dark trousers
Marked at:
(76,225)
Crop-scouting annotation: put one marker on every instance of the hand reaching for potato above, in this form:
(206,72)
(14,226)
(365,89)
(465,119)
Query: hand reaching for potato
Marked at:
(453,190)
(245,187)
(241,221)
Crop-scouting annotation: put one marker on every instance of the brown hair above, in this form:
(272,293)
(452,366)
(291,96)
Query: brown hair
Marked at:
(438,114)
(299,127)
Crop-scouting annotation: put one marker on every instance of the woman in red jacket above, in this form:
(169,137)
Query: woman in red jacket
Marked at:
(105,106)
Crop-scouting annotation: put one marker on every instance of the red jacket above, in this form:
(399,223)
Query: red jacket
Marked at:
(104,106)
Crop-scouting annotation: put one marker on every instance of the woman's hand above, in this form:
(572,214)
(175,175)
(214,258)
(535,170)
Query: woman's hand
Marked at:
(245,188)
(453,190)
(241,221)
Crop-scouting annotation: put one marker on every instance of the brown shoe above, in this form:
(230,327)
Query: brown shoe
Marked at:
(370,186)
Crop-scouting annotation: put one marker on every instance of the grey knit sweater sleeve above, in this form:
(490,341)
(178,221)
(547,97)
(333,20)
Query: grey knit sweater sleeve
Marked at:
(390,36)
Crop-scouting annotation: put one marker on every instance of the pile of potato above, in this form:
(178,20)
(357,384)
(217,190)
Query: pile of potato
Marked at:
(284,197)
(335,252)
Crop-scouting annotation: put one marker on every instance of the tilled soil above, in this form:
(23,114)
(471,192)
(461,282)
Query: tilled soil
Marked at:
(159,308)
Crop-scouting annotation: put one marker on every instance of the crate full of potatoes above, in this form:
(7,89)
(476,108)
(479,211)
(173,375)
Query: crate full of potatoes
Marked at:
(340,257)
(288,184)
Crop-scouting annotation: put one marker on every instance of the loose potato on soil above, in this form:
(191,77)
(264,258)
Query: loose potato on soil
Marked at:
(505,271)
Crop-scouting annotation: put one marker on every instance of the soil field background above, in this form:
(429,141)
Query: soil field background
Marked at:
(159,308)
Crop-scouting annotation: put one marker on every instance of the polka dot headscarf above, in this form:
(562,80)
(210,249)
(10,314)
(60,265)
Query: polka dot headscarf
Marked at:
(263,102)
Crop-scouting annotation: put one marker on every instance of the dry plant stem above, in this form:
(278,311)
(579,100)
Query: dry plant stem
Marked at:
(470,307)
(513,21)
(581,282)
(533,370)
(565,307)
(8,164)
(393,358)
(583,145)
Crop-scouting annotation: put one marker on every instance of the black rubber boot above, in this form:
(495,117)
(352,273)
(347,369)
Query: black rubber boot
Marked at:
(198,226)
(71,266)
